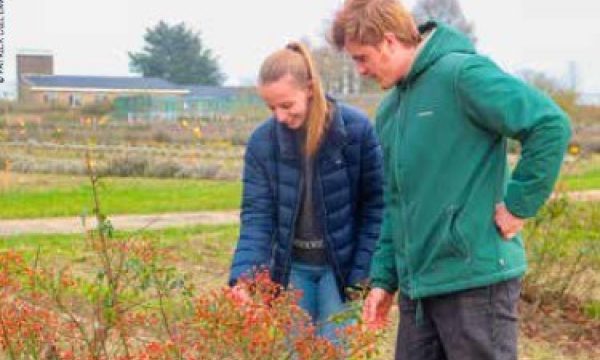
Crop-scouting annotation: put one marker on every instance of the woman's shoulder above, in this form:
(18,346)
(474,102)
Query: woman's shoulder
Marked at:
(264,129)
(350,112)
(355,120)
(262,136)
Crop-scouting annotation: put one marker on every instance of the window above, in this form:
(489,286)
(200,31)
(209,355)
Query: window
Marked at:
(74,100)
(50,98)
(101,99)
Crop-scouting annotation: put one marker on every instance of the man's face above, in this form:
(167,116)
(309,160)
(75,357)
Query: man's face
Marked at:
(386,63)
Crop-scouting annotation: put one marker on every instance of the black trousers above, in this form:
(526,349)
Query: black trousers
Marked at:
(474,324)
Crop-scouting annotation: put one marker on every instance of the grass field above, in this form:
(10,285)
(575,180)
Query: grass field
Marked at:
(589,180)
(48,195)
(32,195)
(580,174)
(201,238)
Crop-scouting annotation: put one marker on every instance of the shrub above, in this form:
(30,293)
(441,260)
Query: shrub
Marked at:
(132,309)
(127,166)
(97,109)
(200,171)
(161,136)
(133,304)
(164,169)
(563,246)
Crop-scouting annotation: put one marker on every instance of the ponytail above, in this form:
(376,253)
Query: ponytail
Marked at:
(318,114)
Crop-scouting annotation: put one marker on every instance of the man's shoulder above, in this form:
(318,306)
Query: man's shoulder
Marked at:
(455,62)
(387,107)
(455,59)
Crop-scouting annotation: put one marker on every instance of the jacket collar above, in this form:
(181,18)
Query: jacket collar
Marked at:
(335,136)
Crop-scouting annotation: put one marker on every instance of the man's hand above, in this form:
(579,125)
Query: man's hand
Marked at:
(376,308)
(508,225)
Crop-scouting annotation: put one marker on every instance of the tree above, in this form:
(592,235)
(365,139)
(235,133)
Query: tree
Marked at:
(448,11)
(336,69)
(563,95)
(176,54)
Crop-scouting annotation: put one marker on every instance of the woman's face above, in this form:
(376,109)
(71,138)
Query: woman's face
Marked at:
(288,101)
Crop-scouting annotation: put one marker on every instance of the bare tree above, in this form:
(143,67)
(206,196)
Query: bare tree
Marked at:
(448,11)
(336,69)
(562,93)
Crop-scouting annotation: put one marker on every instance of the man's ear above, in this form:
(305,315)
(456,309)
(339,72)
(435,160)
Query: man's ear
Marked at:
(389,41)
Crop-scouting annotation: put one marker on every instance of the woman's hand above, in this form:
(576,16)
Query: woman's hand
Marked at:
(240,295)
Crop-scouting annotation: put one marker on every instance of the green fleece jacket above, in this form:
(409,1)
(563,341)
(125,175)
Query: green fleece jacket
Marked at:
(443,130)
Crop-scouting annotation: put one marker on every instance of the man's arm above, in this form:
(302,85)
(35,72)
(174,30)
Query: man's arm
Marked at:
(507,106)
(383,265)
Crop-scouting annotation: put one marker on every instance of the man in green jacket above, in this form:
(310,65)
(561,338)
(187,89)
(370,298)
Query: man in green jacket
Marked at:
(450,240)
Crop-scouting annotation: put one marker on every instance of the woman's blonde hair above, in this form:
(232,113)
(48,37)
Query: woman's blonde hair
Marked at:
(366,21)
(295,59)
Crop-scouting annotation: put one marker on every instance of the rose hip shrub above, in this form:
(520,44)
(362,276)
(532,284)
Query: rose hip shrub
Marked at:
(135,307)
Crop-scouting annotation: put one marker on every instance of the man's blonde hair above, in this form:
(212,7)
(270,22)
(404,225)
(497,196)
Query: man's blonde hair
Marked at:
(366,21)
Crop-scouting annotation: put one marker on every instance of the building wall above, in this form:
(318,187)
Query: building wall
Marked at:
(79,98)
(32,64)
(68,99)
(125,105)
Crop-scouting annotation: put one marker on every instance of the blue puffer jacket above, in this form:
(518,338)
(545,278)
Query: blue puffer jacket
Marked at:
(348,197)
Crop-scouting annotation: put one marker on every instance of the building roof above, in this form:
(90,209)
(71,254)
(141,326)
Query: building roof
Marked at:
(35,52)
(101,83)
(205,91)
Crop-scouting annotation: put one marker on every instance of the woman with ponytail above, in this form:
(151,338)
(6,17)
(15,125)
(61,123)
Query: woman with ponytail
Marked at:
(312,199)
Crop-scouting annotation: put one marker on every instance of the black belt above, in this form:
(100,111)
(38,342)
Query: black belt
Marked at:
(309,244)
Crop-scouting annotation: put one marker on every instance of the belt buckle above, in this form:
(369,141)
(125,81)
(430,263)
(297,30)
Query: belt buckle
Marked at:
(308,244)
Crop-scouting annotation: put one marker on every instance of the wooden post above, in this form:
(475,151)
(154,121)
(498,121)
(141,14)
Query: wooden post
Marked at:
(6,175)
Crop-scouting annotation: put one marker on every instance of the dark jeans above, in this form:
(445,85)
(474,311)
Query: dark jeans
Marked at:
(474,324)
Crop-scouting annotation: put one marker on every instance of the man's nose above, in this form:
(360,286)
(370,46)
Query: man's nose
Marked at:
(362,69)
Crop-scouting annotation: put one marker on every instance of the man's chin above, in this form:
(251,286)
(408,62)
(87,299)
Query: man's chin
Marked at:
(382,84)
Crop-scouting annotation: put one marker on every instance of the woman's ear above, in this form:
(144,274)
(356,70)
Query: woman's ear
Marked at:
(309,89)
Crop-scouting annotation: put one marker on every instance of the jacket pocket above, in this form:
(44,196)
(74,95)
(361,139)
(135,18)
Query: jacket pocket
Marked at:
(446,240)
(273,250)
(456,239)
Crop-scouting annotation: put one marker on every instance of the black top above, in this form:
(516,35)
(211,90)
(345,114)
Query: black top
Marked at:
(308,246)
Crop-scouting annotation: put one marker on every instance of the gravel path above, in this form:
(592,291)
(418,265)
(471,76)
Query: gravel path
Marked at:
(69,225)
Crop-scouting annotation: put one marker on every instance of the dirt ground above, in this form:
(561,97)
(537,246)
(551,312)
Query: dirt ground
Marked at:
(75,224)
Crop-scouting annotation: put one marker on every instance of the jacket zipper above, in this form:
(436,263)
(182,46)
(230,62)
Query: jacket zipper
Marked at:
(328,247)
(288,256)
(404,204)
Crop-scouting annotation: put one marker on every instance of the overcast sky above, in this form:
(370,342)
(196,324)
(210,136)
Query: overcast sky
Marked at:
(89,37)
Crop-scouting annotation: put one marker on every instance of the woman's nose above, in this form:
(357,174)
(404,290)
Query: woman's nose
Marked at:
(281,116)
